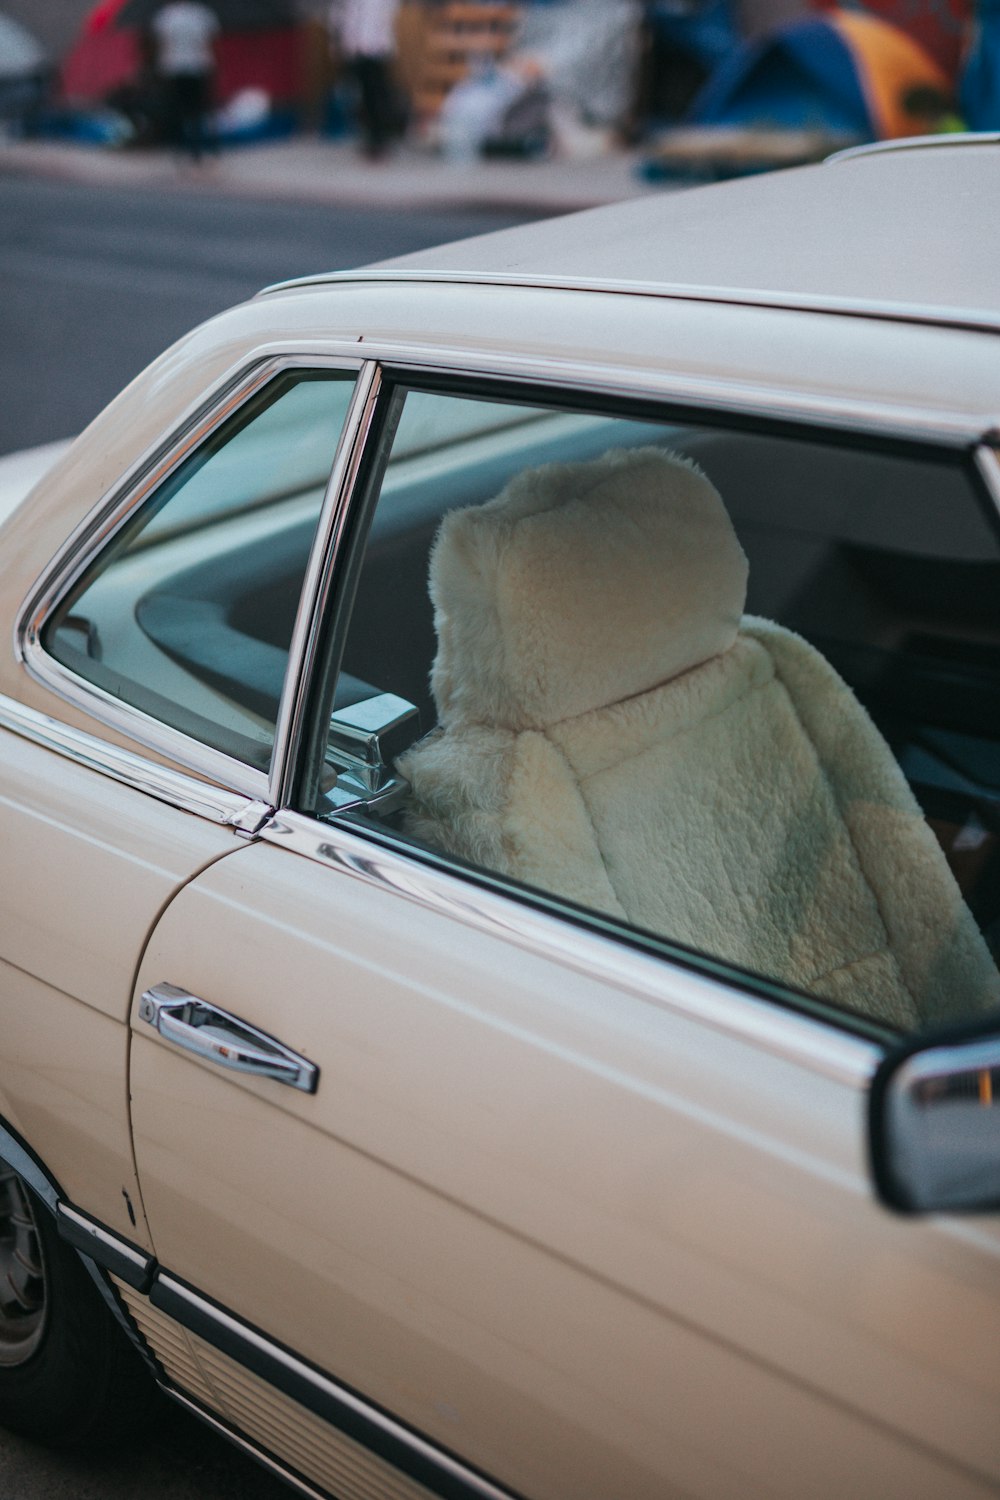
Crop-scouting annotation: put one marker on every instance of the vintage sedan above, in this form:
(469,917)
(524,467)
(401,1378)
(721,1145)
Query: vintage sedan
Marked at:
(500,794)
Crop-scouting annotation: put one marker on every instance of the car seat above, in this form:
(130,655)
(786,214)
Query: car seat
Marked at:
(612,729)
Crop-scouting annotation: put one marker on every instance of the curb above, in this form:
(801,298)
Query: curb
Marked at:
(317,173)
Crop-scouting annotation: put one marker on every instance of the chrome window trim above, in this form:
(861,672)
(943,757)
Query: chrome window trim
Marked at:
(314,598)
(102,523)
(725,396)
(970,318)
(988,464)
(139,480)
(815,1045)
(217,804)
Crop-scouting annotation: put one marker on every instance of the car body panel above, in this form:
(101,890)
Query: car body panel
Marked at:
(673,1249)
(78,1111)
(783,234)
(89,863)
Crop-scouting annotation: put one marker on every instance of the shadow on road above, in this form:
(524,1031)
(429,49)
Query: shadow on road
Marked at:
(180,1459)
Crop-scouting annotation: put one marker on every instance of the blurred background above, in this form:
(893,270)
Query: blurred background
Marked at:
(782,79)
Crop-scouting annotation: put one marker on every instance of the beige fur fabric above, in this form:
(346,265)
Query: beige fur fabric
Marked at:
(746,807)
(535,591)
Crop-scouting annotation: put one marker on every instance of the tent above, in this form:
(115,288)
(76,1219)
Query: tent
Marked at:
(685,42)
(845,73)
(707,30)
(259,49)
(940,27)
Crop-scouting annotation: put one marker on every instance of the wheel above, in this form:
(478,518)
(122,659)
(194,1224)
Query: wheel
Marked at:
(68,1374)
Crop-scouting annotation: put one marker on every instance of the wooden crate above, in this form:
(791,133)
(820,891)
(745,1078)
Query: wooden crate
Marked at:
(458,35)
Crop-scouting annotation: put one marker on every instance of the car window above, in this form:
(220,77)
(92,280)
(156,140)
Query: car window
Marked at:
(730,689)
(187,614)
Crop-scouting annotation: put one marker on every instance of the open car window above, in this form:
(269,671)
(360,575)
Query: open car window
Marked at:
(725,690)
(187,614)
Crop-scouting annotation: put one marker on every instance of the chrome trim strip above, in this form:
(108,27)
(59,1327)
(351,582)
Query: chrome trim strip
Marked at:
(915,143)
(796,1038)
(243,780)
(105,1248)
(725,396)
(101,524)
(326,1398)
(216,803)
(978,319)
(987,460)
(104,519)
(259,1455)
(315,590)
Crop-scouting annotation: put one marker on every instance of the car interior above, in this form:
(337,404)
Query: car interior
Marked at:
(885,562)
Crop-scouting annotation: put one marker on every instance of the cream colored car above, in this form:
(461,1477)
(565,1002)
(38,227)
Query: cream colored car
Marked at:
(500,793)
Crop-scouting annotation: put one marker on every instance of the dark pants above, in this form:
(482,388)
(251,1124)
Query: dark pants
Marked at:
(378,113)
(187,99)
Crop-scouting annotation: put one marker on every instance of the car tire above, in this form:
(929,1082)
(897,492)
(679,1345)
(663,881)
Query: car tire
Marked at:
(68,1374)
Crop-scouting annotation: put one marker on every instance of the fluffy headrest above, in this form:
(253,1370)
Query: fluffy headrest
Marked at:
(580,585)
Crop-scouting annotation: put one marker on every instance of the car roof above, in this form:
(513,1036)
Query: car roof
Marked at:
(907,233)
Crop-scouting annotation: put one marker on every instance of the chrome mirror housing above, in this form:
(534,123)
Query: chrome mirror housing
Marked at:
(934,1123)
(362,745)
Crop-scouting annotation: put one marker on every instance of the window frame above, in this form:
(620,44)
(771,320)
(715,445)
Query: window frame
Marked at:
(420,872)
(115,510)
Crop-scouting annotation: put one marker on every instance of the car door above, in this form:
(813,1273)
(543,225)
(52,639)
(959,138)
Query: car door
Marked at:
(536,1207)
(597,1228)
(102,826)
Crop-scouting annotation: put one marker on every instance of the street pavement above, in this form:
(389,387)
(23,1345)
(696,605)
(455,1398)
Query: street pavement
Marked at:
(179,1459)
(308,169)
(98,280)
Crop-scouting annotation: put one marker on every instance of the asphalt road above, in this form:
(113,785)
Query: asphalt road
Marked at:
(96,282)
(180,1459)
(94,285)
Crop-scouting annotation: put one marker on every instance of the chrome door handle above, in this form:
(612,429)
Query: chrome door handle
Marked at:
(222,1038)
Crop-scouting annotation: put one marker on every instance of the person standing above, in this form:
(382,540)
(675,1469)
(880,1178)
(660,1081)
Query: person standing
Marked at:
(365,31)
(184,33)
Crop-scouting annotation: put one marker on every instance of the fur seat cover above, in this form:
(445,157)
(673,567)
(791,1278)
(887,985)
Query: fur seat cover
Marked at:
(615,731)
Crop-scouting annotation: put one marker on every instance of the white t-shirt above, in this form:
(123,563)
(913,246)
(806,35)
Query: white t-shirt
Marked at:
(184,31)
(365,28)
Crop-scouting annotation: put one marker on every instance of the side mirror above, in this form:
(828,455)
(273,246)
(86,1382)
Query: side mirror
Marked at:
(363,742)
(934,1123)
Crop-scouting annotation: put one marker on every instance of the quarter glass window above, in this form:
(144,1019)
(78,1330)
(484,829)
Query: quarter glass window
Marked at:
(188,613)
(729,692)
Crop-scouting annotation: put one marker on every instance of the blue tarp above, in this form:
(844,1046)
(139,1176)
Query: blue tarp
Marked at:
(979,93)
(803,77)
(706,31)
